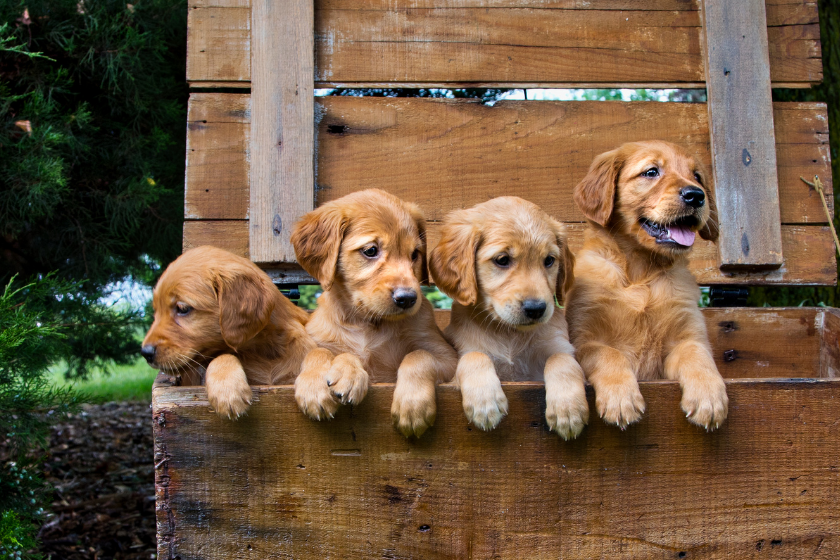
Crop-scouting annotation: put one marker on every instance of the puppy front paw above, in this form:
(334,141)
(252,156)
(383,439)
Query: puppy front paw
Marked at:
(620,404)
(347,379)
(314,397)
(485,403)
(566,412)
(704,401)
(227,387)
(413,410)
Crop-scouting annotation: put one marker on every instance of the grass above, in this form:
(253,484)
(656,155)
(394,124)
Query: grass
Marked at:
(125,383)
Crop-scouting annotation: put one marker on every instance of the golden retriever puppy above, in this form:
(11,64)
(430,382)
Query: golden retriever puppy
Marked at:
(220,320)
(504,262)
(368,251)
(633,311)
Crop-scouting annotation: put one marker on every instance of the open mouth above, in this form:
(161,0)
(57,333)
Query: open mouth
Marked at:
(677,234)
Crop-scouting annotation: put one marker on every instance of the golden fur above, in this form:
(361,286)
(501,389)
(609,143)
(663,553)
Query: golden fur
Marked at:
(363,335)
(633,311)
(499,261)
(219,319)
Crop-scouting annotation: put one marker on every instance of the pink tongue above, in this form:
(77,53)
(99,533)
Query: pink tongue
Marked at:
(682,235)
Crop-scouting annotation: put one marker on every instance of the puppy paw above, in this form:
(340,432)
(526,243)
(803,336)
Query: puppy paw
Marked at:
(414,409)
(485,403)
(228,391)
(567,413)
(314,397)
(347,379)
(620,404)
(704,401)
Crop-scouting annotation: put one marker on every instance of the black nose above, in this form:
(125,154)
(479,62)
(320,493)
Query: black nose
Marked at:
(533,308)
(148,352)
(693,196)
(404,298)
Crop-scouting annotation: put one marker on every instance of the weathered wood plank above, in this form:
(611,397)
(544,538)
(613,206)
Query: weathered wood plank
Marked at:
(742,134)
(218,44)
(516,42)
(277,485)
(762,343)
(809,252)
(282,142)
(450,154)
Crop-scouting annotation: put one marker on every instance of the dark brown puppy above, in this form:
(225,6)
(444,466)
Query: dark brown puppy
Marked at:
(220,320)
(368,251)
(633,311)
(504,262)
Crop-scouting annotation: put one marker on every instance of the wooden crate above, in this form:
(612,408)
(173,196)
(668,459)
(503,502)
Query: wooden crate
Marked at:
(276,485)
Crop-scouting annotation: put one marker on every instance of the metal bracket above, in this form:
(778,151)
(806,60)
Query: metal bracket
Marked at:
(721,296)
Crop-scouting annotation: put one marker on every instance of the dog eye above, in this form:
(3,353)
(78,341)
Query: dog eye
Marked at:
(182,308)
(651,173)
(699,179)
(370,252)
(415,254)
(549,261)
(502,261)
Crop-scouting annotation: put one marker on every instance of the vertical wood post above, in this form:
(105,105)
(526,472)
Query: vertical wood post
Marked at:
(282,124)
(742,134)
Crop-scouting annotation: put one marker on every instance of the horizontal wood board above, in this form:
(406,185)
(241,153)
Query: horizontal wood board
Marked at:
(809,252)
(277,485)
(425,42)
(446,154)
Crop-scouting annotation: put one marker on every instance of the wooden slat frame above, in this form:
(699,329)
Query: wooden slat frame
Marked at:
(742,134)
(282,143)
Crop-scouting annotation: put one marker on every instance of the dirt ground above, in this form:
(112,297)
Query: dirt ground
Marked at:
(101,468)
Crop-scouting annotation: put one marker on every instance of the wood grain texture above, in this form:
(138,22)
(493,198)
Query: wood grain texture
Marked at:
(282,143)
(451,154)
(809,249)
(742,134)
(509,41)
(277,485)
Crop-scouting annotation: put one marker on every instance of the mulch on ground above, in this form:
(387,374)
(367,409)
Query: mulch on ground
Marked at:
(101,468)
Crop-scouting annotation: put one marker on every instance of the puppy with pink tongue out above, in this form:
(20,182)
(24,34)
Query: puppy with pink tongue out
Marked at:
(633,311)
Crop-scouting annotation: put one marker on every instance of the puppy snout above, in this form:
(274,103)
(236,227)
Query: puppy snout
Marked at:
(533,308)
(148,352)
(404,298)
(693,196)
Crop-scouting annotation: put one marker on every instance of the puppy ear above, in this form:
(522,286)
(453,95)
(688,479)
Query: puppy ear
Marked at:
(710,230)
(420,220)
(595,195)
(317,241)
(452,262)
(246,301)
(566,274)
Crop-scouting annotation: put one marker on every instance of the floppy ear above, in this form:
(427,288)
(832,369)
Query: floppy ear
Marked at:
(595,195)
(317,241)
(452,262)
(566,274)
(246,301)
(420,221)
(710,230)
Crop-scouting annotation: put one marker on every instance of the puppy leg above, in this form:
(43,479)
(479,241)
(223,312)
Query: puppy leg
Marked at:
(566,409)
(704,399)
(347,379)
(617,395)
(485,404)
(312,393)
(227,386)
(413,409)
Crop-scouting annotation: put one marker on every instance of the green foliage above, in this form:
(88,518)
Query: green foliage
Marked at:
(15,536)
(92,147)
(32,336)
